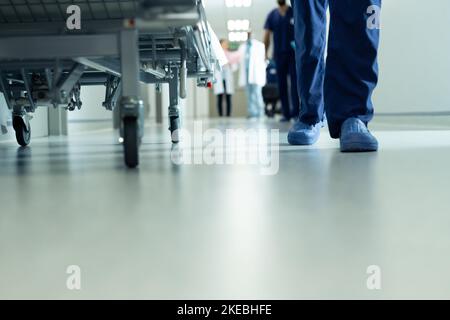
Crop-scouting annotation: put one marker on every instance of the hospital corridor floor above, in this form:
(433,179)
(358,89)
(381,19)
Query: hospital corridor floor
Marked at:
(171,230)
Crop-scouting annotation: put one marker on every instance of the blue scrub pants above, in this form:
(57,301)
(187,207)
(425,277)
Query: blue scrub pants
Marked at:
(290,104)
(343,85)
(255,102)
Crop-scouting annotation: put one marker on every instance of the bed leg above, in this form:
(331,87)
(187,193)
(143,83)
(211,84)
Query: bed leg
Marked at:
(174,110)
(131,106)
(21,125)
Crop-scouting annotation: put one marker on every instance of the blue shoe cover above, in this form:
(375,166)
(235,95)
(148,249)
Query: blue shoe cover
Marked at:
(302,134)
(355,137)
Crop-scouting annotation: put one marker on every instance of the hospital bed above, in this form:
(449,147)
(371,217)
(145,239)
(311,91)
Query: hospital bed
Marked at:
(119,44)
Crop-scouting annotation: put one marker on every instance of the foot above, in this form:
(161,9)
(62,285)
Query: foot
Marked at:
(302,134)
(355,137)
(284,119)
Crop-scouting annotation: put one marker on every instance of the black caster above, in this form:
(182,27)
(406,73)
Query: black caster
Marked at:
(23,131)
(131,141)
(175,129)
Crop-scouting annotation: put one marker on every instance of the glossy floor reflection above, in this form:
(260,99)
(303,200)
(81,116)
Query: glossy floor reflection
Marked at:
(226,231)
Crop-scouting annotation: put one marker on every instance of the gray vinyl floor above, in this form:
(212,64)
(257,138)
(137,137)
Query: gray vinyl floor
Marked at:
(199,231)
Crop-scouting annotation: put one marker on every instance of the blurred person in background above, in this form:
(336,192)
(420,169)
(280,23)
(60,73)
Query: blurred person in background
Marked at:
(253,75)
(280,25)
(224,87)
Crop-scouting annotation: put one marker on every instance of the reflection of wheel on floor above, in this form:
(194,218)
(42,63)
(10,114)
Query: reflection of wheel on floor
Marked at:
(131,142)
(23,133)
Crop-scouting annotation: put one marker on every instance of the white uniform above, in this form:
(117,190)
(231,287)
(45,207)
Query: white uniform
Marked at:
(4,114)
(253,75)
(257,66)
(225,75)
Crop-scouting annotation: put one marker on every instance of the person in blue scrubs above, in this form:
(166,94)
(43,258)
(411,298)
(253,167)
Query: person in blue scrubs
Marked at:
(280,25)
(343,85)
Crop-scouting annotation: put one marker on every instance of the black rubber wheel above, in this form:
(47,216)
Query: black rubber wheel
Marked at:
(131,142)
(175,130)
(23,134)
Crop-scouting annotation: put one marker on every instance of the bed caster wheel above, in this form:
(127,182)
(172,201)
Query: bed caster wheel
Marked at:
(131,142)
(23,131)
(175,136)
(175,130)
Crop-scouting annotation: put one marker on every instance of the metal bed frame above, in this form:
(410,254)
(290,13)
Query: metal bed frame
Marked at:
(120,44)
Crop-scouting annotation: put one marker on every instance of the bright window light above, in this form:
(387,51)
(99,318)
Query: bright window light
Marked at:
(238,25)
(238,36)
(245,24)
(231,25)
(238,3)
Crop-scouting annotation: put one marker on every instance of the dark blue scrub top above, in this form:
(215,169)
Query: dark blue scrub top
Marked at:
(282,28)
